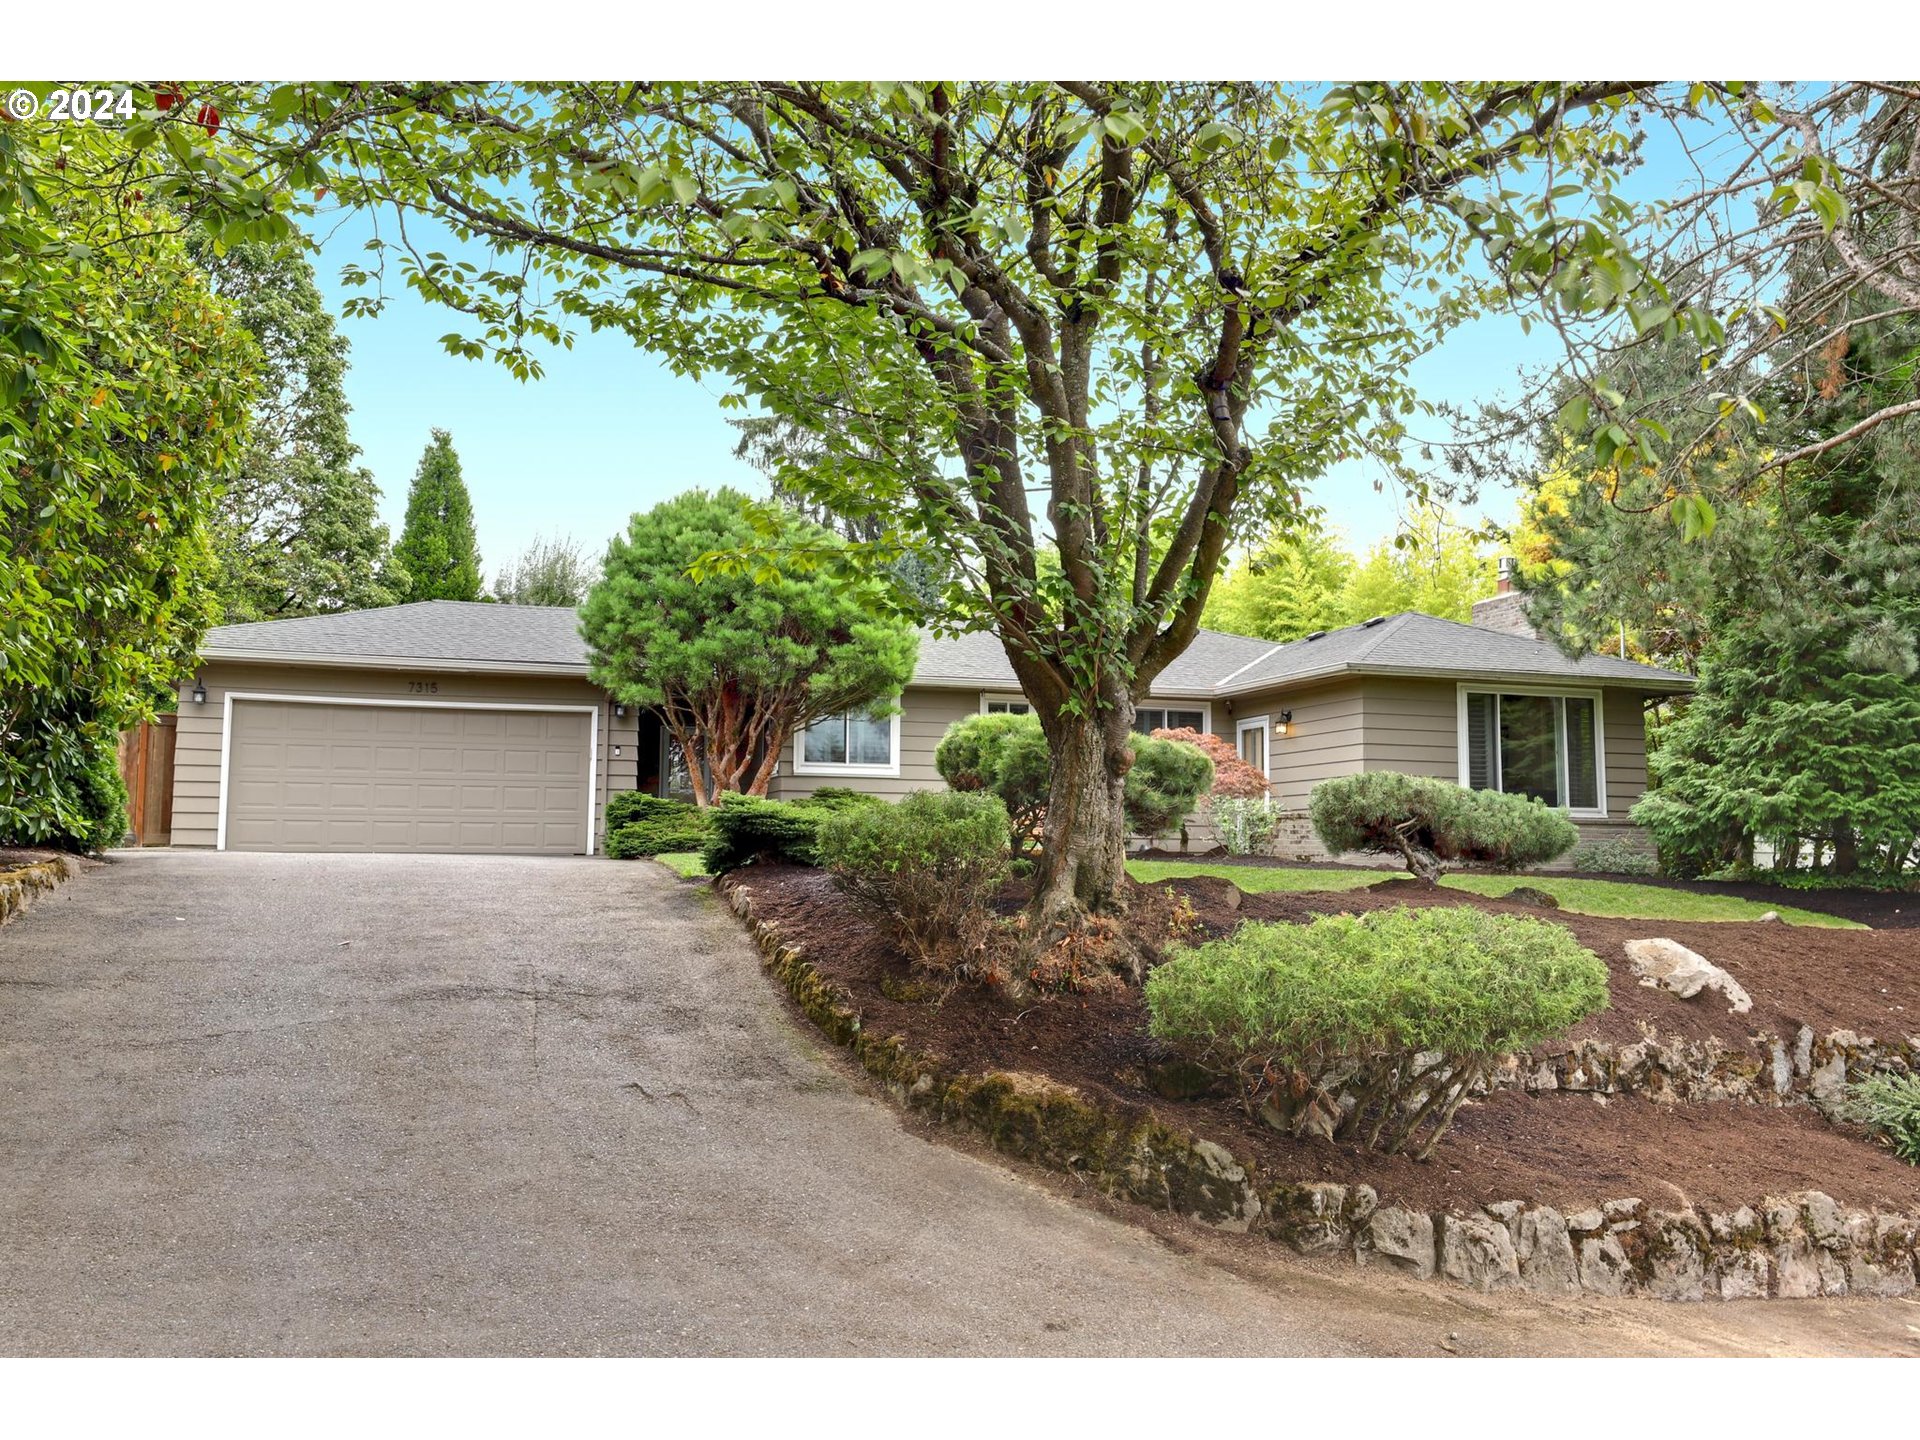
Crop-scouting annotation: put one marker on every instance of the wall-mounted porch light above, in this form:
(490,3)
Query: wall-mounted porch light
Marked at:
(199,692)
(619,711)
(1286,719)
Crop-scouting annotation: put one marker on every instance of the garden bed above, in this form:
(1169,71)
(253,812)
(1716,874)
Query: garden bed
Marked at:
(1032,1079)
(27,874)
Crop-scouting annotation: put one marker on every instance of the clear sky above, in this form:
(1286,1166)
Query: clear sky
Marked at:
(609,430)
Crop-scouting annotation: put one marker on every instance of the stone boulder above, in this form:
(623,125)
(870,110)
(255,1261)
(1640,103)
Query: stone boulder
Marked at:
(1668,965)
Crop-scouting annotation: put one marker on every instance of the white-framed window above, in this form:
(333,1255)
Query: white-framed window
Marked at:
(992,703)
(1149,718)
(853,742)
(1250,739)
(1527,740)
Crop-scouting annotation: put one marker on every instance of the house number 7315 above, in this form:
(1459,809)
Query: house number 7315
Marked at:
(423,687)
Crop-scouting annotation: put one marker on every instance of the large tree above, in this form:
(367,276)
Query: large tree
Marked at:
(298,530)
(737,662)
(124,394)
(1122,321)
(437,544)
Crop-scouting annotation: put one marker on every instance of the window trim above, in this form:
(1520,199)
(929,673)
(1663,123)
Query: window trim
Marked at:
(804,766)
(1004,696)
(1205,708)
(1559,692)
(1257,722)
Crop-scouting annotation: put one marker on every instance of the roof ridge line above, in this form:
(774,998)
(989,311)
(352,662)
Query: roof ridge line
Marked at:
(1267,655)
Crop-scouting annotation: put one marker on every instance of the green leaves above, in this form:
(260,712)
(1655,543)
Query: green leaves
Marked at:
(1693,516)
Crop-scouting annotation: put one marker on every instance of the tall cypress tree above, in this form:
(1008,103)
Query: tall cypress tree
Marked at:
(437,546)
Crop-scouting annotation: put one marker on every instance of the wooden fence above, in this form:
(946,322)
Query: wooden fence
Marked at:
(146,764)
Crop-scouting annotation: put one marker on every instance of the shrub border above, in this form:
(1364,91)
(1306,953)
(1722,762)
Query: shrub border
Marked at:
(20,886)
(1796,1246)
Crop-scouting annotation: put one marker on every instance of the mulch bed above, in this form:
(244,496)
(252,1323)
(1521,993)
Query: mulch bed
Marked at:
(1552,1149)
(1880,909)
(12,858)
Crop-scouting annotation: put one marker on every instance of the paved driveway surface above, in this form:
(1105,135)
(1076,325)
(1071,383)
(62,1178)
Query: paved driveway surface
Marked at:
(277,1104)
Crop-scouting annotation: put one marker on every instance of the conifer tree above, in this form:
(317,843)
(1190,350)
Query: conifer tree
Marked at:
(437,546)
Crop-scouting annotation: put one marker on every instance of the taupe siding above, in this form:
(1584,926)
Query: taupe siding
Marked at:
(1625,724)
(196,788)
(1325,739)
(1412,726)
(925,715)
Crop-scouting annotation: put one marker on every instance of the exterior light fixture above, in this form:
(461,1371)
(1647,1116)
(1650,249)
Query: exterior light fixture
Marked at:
(616,752)
(619,711)
(1286,720)
(199,692)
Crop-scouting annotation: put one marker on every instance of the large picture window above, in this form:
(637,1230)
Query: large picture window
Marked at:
(1534,743)
(851,743)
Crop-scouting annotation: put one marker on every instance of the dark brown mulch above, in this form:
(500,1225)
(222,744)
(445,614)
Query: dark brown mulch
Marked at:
(1558,1149)
(1880,909)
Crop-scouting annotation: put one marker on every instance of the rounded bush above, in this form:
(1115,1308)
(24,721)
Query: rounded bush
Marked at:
(1373,1027)
(1431,822)
(926,868)
(669,834)
(1005,756)
(631,806)
(1165,784)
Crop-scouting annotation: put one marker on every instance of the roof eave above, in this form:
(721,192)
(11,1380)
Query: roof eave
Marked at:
(395,662)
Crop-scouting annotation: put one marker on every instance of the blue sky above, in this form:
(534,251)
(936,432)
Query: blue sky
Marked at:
(609,430)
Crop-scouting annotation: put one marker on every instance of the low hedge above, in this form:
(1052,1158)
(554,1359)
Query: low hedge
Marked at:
(1376,1027)
(631,806)
(657,837)
(742,829)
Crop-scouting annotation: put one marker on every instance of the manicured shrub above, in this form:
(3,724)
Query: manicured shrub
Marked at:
(926,868)
(743,829)
(835,798)
(93,807)
(631,805)
(1431,823)
(1165,784)
(1613,857)
(1232,776)
(1889,1107)
(658,837)
(1004,756)
(1245,826)
(1372,1028)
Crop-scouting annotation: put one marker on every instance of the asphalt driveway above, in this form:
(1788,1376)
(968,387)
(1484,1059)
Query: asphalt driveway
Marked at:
(275,1104)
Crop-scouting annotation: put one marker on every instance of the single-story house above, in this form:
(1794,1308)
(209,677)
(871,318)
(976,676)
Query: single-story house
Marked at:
(445,726)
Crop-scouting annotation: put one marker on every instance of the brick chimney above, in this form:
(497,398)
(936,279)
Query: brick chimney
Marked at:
(1506,609)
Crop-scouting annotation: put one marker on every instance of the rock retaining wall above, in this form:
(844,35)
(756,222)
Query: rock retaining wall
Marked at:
(19,886)
(1798,1245)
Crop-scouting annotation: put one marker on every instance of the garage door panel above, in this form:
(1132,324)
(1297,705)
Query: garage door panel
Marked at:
(415,778)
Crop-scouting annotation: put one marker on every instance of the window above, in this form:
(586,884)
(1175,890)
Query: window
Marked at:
(1531,742)
(1251,736)
(851,743)
(1148,719)
(1005,705)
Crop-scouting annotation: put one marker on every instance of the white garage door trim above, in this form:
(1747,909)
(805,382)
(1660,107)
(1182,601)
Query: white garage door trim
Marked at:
(592,712)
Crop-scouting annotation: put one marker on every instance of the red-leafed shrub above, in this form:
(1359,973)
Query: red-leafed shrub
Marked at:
(1231,775)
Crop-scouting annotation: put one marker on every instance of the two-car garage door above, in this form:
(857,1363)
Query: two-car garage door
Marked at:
(321,776)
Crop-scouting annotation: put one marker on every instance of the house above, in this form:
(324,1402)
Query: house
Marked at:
(447,726)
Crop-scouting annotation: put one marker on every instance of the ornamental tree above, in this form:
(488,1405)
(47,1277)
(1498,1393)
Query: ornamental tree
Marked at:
(1123,321)
(737,662)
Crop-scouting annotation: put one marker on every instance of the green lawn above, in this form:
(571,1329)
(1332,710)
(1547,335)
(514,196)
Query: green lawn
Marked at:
(1258,879)
(1624,900)
(683,862)
(1614,899)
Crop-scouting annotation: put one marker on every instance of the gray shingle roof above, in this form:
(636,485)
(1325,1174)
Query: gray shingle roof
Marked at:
(537,637)
(546,639)
(1414,644)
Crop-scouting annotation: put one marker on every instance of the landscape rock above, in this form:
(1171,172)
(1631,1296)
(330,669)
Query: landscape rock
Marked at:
(1531,895)
(1403,1238)
(1604,1266)
(1665,964)
(1545,1251)
(1311,1218)
(1477,1251)
(1770,917)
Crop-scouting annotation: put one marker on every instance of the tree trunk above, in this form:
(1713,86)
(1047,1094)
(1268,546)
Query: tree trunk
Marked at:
(1083,859)
(1846,850)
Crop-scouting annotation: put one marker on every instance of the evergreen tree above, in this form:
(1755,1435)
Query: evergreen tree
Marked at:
(437,544)
(298,531)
